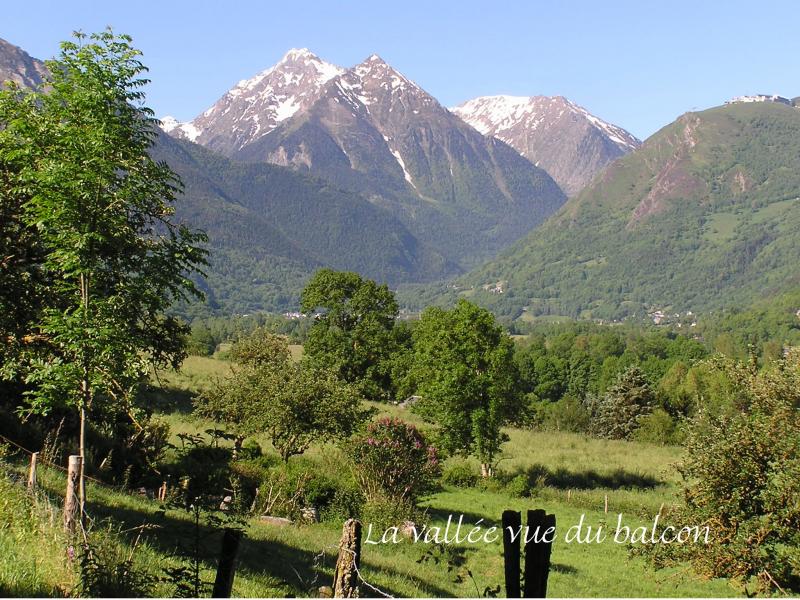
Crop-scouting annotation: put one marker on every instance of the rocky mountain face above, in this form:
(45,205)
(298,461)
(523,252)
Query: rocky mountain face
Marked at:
(564,139)
(18,66)
(704,215)
(372,131)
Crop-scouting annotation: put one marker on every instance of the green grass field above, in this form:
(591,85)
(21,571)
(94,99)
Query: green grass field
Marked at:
(577,474)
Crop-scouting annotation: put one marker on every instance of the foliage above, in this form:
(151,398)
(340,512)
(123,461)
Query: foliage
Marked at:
(101,209)
(354,334)
(741,468)
(290,489)
(659,428)
(209,332)
(463,370)
(619,413)
(460,473)
(127,446)
(109,570)
(294,404)
(393,461)
(261,348)
(567,414)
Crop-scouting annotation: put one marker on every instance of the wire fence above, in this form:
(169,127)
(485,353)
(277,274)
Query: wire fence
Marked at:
(48,463)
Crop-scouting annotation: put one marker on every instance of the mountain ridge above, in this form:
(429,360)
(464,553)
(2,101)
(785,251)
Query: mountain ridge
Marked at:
(375,132)
(703,215)
(565,139)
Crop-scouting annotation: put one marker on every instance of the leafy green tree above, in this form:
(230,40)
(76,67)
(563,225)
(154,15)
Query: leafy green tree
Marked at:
(464,371)
(101,209)
(22,282)
(354,332)
(294,404)
(261,348)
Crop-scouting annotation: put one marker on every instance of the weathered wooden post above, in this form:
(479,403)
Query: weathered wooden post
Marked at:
(512,522)
(345,577)
(226,567)
(32,472)
(549,521)
(537,553)
(71,499)
(605,507)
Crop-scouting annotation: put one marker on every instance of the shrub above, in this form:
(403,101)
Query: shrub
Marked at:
(518,486)
(393,461)
(659,428)
(285,490)
(567,414)
(108,569)
(742,469)
(459,472)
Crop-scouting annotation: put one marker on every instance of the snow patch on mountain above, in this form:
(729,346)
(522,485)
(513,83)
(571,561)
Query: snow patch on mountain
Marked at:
(495,115)
(179,129)
(256,106)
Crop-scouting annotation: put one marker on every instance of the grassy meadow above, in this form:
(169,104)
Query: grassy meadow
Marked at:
(574,475)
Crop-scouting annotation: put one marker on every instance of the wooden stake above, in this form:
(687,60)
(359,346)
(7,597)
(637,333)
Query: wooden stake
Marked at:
(226,568)
(71,501)
(512,522)
(534,555)
(32,472)
(606,504)
(345,577)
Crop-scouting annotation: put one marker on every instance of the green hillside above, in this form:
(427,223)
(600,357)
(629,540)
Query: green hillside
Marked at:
(270,228)
(705,215)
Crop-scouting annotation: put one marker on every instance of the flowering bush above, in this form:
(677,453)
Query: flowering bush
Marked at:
(393,461)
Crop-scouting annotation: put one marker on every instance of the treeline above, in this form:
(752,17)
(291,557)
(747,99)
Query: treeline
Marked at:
(208,333)
(567,370)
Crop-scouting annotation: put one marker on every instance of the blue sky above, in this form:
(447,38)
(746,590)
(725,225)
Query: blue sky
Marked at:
(636,64)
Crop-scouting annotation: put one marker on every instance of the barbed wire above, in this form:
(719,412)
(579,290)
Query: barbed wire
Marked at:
(361,578)
(49,463)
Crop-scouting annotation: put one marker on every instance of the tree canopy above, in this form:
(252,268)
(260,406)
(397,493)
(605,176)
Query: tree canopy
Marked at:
(463,369)
(354,330)
(81,186)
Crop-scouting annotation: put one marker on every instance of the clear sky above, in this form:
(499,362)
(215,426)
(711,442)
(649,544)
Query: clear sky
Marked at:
(638,64)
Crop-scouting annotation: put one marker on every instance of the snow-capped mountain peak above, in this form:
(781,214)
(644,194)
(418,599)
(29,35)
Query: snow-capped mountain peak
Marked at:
(256,106)
(553,132)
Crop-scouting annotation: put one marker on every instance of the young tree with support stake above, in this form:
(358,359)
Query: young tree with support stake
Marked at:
(101,209)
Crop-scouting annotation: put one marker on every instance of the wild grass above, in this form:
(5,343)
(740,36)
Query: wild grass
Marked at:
(572,474)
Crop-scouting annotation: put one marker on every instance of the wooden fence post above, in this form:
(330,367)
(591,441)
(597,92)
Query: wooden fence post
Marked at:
(537,553)
(32,472)
(71,498)
(226,567)
(549,521)
(345,577)
(512,521)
